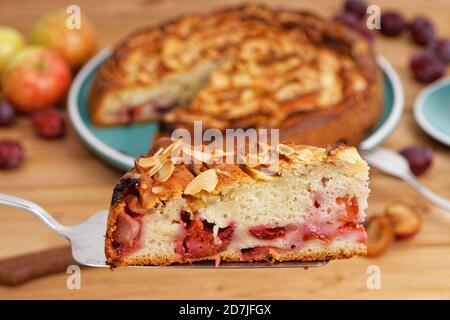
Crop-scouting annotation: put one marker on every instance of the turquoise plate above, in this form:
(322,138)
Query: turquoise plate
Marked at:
(432,110)
(119,146)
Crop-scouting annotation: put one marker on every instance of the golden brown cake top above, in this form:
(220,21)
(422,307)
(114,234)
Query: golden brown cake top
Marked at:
(268,64)
(175,168)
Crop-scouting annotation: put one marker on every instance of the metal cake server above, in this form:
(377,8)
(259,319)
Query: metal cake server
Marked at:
(392,163)
(87,240)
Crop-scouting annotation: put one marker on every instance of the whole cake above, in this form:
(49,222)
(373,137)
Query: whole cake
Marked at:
(305,204)
(244,67)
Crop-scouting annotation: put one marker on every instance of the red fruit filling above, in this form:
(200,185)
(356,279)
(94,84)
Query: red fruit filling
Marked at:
(127,234)
(197,239)
(351,208)
(340,222)
(260,253)
(265,233)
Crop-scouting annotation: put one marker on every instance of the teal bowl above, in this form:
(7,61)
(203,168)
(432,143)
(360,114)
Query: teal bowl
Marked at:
(432,110)
(120,145)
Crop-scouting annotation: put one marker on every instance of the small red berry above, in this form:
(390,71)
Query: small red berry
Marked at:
(426,67)
(356,7)
(11,154)
(7,113)
(441,50)
(49,123)
(419,158)
(392,23)
(422,30)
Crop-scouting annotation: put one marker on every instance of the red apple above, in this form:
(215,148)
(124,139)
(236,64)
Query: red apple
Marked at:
(35,78)
(76,46)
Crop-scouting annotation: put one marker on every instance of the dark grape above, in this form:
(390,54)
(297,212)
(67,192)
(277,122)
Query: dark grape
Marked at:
(422,30)
(7,113)
(392,23)
(419,158)
(357,8)
(49,123)
(426,67)
(441,50)
(11,154)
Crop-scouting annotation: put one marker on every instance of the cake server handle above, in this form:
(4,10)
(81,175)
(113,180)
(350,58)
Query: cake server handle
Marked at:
(36,210)
(20,269)
(392,163)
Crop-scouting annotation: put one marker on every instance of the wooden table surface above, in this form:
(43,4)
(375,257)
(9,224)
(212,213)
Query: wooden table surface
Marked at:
(67,179)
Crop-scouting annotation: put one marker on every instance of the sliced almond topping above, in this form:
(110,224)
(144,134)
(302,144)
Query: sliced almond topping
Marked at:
(207,180)
(260,175)
(271,169)
(160,150)
(252,160)
(172,146)
(225,173)
(219,153)
(147,162)
(165,172)
(196,168)
(157,189)
(196,154)
(349,155)
(285,150)
(154,169)
(147,199)
(305,155)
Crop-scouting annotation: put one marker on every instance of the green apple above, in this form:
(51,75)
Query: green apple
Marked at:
(76,46)
(11,41)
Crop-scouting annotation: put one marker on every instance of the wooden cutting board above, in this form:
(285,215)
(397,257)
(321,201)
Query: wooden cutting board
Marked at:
(68,180)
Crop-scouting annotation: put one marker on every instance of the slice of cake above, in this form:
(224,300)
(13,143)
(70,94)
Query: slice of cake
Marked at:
(285,202)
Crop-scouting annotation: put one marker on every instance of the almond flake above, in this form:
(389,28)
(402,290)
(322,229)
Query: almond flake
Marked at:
(165,172)
(157,189)
(147,200)
(147,162)
(207,180)
(349,155)
(172,146)
(252,160)
(225,173)
(260,175)
(197,155)
(305,155)
(219,153)
(154,170)
(160,150)
(285,150)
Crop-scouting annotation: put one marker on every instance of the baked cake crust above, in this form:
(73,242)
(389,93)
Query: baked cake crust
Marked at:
(317,80)
(155,188)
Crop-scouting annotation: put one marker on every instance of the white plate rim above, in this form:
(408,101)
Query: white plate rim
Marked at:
(398,103)
(125,161)
(419,104)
